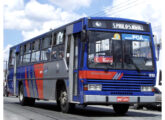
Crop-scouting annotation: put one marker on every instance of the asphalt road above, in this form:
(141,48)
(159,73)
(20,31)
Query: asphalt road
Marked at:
(47,111)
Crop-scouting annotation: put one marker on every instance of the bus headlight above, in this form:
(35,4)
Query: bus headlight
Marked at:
(147,89)
(95,87)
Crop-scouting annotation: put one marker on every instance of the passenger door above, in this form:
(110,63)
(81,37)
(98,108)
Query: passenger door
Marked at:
(72,63)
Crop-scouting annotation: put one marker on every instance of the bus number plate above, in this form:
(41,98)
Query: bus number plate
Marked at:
(122,99)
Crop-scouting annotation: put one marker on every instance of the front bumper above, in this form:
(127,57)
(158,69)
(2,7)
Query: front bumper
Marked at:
(102,99)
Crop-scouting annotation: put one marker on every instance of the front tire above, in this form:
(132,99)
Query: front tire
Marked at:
(138,106)
(121,108)
(66,107)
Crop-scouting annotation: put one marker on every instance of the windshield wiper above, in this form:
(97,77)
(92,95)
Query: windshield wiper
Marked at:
(108,66)
(137,68)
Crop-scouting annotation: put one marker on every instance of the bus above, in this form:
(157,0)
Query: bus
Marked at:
(91,61)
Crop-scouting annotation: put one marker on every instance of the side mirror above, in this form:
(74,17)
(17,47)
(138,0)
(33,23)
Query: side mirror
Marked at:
(158,47)
(157,43)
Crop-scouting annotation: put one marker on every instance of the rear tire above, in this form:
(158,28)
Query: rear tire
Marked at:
(65,106)
(121,108)
(22,99)
(31,101)
(25,100)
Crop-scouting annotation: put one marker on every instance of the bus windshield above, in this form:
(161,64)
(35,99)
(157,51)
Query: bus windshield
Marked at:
(108,50)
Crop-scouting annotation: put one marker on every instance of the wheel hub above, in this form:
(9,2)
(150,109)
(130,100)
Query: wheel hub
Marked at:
(21,96)
(63,98)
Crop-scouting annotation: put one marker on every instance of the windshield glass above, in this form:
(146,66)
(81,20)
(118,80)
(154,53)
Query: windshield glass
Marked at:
(119,51)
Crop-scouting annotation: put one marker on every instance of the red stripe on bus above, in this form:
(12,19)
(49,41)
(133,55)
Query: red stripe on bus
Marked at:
(96,75)
(26,84)
(38,70)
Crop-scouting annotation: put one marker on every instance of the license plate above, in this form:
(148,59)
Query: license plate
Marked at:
(122,99)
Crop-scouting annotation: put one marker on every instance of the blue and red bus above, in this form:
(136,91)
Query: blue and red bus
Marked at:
(91,61)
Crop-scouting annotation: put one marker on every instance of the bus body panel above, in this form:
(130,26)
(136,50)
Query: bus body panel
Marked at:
(53,71)
(39,80)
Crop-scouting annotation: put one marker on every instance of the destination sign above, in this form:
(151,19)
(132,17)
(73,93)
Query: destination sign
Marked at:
(127,26)
(118,25)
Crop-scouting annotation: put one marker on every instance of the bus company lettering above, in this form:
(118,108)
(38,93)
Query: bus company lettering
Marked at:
(128,26)
(137,37)
(99,73)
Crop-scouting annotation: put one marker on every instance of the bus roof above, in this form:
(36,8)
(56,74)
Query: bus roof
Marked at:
(84,18)
(119,19)
(39,36)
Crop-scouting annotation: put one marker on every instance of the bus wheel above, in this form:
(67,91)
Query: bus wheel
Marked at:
(121,108)
(58,105)
(25,100)
(22,99)
(66,107)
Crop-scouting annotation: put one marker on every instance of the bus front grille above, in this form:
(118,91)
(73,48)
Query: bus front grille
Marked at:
(127,85)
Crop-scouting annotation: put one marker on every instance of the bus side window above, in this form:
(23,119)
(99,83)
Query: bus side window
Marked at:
(12,58)
(58,48)
(35,57)
(21,55)
(57,52)
(54,51)
(54,39)
(60,37)
(46,48)
(26,53)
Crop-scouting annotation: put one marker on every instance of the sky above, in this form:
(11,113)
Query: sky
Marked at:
(25,19)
